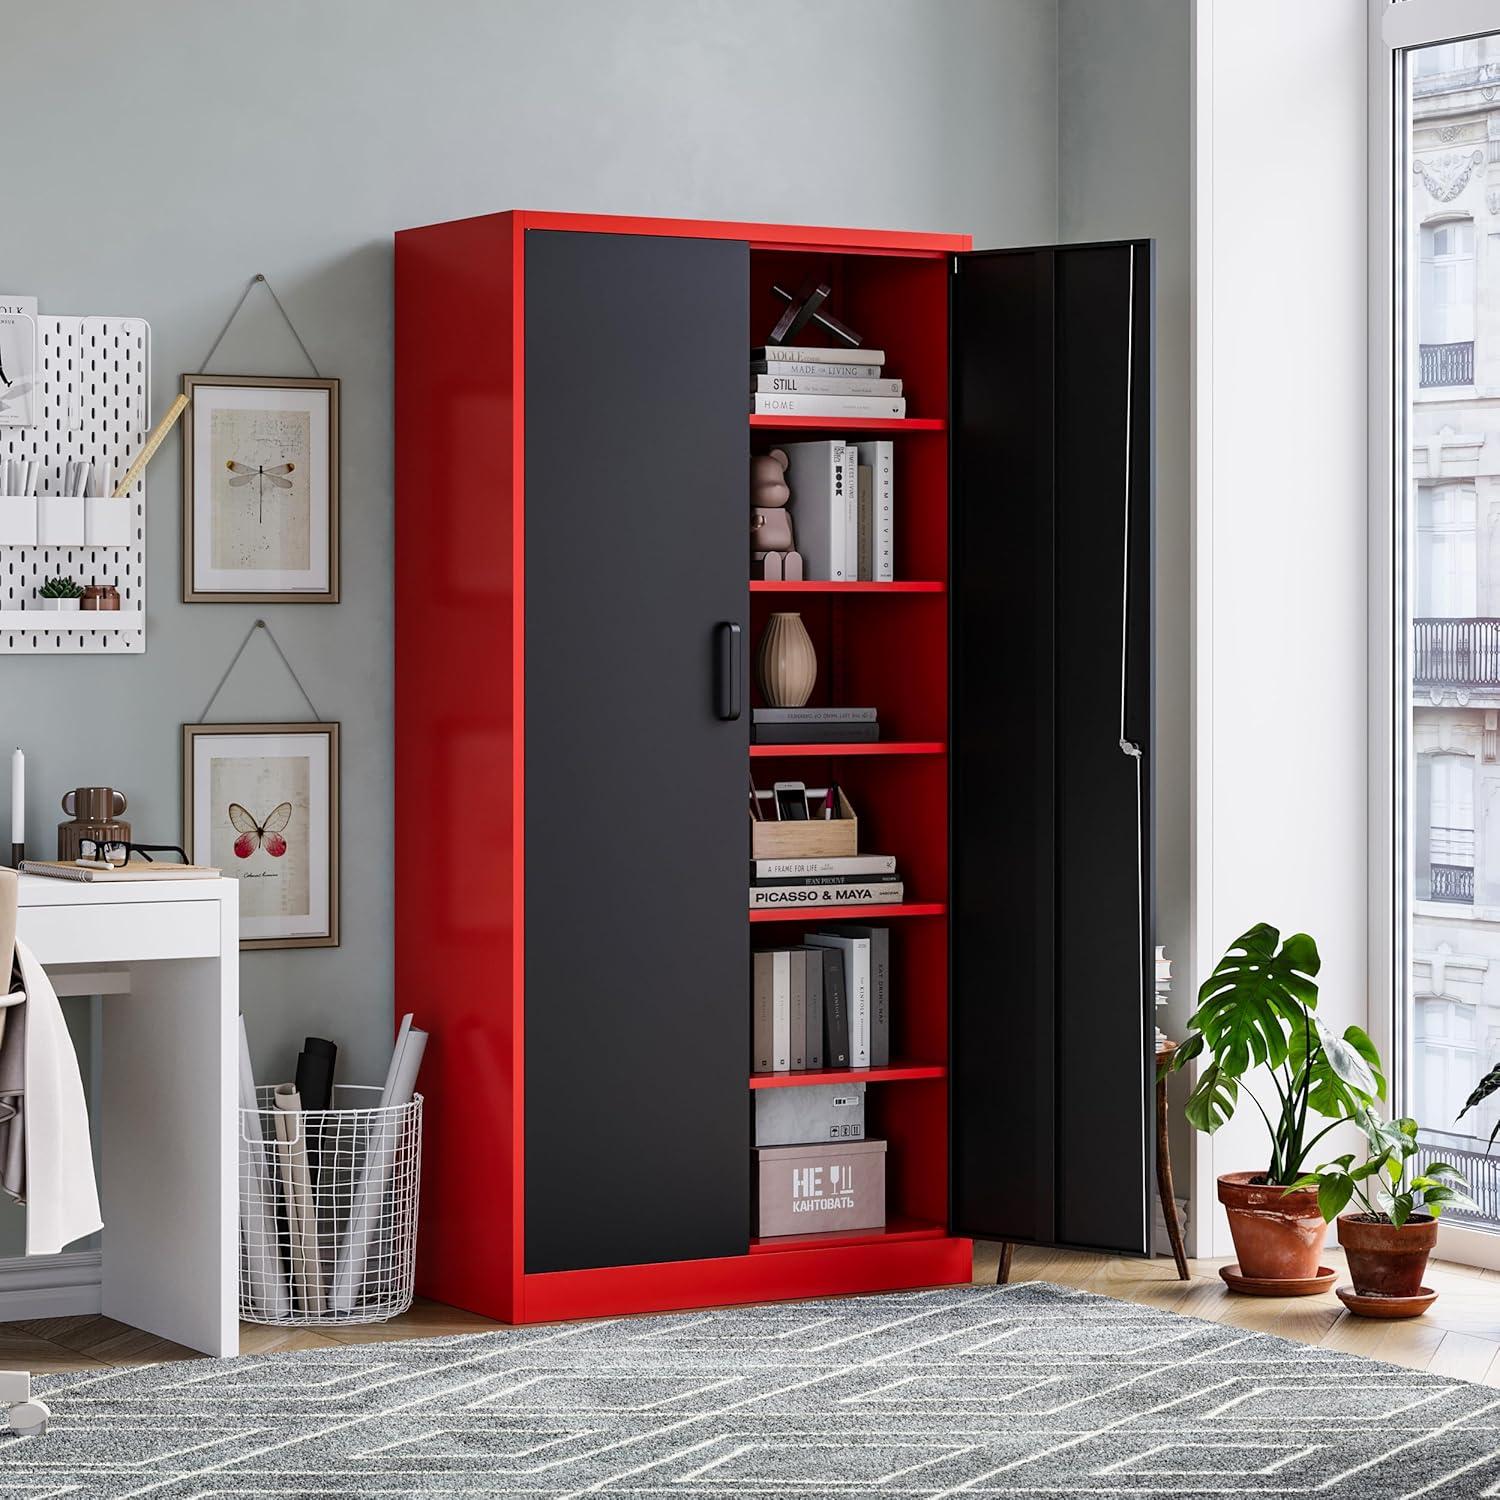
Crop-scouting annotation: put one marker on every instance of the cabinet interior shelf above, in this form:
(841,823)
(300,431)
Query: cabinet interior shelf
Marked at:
(896,1228)
(849,424)
(850,913)
(825,586)
(832,751)
(897,1072)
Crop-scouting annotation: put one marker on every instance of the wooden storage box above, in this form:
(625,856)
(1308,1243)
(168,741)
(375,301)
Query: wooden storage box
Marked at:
(814,839)
(814,1189)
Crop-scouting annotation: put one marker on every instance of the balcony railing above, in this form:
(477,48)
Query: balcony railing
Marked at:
(1456,653)
(1446,364)
(1482,1170)
(1452,883)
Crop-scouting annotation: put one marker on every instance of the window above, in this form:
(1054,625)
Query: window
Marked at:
(1447,528)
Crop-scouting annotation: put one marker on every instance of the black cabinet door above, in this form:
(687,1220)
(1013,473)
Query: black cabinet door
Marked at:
(1052,877)
(636,946)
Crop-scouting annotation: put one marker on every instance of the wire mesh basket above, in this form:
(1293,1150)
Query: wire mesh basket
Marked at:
(328,1209)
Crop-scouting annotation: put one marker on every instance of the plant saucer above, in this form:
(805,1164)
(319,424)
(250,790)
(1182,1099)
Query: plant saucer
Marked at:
(1376,1305)
(1277,1286)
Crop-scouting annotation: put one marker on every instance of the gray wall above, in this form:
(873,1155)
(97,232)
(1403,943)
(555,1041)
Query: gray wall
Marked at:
(171,149)
(1124,136)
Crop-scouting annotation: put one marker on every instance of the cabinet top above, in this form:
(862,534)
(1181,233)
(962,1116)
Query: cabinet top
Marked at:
(760,236)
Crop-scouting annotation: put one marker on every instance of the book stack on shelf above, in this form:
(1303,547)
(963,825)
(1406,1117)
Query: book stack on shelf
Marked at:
(825,1003)
(843,507)
(793,380)
(1163,987)
(813,726)
(830,880)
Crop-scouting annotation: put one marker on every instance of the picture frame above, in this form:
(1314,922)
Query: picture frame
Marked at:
(260,490)
(261,803)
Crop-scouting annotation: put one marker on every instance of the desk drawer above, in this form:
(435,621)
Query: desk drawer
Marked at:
(118,934)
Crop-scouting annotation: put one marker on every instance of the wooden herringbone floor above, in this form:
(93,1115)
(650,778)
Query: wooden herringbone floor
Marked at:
(1460,1336)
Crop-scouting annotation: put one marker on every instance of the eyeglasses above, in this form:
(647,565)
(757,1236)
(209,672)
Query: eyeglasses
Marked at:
(118,851)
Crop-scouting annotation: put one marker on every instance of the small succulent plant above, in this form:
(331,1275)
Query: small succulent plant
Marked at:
(61,588)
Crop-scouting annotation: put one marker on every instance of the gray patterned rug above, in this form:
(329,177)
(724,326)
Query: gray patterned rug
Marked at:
(1030,1389)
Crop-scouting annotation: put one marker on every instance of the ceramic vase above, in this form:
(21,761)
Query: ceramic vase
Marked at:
(786,665)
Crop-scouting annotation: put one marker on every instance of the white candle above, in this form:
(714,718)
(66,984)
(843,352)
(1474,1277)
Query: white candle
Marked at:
(17,797)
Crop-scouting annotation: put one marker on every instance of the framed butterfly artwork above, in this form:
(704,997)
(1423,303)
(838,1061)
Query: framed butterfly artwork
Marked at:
(260,490)
(261,803)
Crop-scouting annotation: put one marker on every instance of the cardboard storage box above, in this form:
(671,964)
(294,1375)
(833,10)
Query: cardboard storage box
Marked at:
(810,1116)
(814,1189)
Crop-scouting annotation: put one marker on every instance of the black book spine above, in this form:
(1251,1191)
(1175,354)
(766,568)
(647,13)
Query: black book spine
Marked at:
(814,1008)
(835,1010)
(814,734)
(788,880)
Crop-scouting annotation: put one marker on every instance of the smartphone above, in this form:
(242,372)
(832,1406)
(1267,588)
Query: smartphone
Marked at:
(791,801)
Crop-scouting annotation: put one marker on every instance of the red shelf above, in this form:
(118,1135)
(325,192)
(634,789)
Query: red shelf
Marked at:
(894,1230)
(824,586)
(850,424)
(892,1073)
(831,751)
(851,913)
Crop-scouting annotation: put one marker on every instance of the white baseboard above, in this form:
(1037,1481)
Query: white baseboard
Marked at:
(50,1286)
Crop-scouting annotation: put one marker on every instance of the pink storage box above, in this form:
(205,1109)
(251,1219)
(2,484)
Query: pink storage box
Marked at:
(814,1189)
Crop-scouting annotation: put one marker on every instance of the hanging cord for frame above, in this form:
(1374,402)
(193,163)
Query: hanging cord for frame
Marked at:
(259,279)
(234,662)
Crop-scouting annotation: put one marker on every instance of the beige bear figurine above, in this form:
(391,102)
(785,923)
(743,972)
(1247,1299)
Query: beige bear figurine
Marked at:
(770,521)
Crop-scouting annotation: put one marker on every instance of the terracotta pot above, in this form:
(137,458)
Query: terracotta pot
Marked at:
(1385,1261)
(1277,1235)
(787,664)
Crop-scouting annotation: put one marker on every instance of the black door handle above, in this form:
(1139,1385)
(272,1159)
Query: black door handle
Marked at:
(727,687)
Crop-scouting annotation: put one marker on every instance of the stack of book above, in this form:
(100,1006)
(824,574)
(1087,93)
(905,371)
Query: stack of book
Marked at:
(834,880)
(843,508)
(1163,987)
(792,380)
(813,726)
(823,1004)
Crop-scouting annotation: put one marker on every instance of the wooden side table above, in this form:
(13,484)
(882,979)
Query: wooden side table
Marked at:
(1163,1183)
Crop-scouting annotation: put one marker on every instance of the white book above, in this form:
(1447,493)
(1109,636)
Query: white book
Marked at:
(866,491)
(781,1012)
(816,475)
(889,407)
(820,371)
(831,864)
(880,456)
(856,953)
(877,891)
(807,354)
(825,385)
(851,512)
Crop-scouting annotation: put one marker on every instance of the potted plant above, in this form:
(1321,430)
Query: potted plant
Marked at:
(61,593)
(1387,1241)
(1259,1009)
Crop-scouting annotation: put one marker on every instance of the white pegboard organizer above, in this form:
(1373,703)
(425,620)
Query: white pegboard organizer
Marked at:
(95,394)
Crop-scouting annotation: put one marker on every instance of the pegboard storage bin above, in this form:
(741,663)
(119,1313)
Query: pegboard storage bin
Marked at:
(17,521)
(95,385)
(59,521)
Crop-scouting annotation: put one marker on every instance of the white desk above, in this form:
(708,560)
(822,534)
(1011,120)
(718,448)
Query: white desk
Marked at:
(166,956)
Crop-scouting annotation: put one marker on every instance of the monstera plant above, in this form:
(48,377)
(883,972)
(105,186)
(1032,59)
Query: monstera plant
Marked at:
(1258,1011)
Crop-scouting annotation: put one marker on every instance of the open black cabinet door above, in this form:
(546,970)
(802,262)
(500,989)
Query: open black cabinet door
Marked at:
(1052,883)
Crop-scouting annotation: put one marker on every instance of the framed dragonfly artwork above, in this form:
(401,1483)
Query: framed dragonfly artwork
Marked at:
(261,803)
(260,490)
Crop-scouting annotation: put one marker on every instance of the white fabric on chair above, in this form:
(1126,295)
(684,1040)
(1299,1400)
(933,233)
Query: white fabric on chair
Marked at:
(46,1159)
